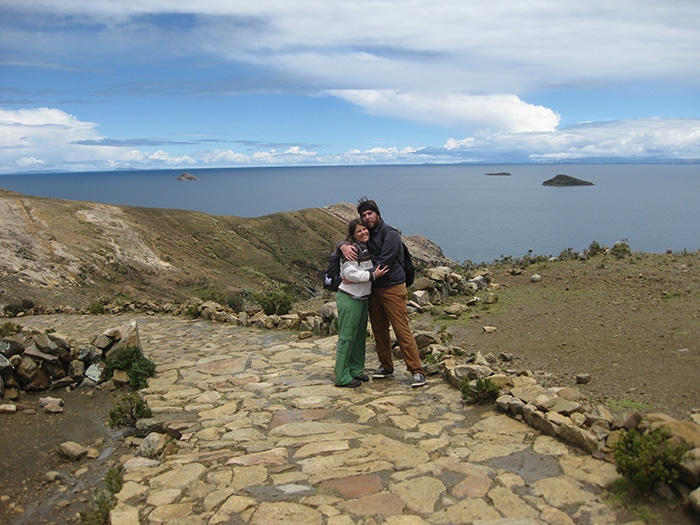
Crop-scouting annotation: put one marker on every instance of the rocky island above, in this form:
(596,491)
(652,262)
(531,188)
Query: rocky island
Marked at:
(187,176)
(566,180)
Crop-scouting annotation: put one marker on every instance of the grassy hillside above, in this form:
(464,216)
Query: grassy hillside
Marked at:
(57,252)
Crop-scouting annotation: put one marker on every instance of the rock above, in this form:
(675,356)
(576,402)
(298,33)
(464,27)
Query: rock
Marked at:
(45,344)
(10,346)
(687,431)
(694,500)
(126,337)
(72,450)
(96,372)
(43,401)
(52,475)
(53,408)
(583,379)
(186,177)
(153,445)
(491,298)
(480,281)
(41,380)
(120,377)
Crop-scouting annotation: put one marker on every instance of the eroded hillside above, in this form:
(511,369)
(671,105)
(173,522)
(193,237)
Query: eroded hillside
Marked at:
(60,252)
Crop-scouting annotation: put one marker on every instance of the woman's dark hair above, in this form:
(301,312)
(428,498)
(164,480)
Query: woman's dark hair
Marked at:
(351,229)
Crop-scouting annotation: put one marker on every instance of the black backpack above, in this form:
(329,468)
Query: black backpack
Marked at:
(331,275)
(408,267)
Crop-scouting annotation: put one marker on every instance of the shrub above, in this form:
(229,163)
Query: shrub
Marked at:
(192,311)
(114,479)
(103,503)
(12,309)
(645,459)
(105,500)
(137,366)
(128,411)
(620,250)
(595,249)
(9,328)
(483,391)
(276,302)
(445,335)
(235,300)
(97,308)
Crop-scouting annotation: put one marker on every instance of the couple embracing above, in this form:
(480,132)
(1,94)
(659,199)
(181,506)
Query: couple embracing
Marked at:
(374,285)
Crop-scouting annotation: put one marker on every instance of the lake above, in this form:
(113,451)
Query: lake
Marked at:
(470,215)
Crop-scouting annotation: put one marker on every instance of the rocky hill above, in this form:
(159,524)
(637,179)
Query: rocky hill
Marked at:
(59,252)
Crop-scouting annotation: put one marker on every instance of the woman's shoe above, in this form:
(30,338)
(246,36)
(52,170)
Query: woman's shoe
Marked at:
(362,377)
(352,384)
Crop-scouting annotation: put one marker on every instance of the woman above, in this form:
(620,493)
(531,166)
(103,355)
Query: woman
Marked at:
(352,304)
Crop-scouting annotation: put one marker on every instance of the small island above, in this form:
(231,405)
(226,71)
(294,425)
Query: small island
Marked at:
(187,176)
(566,180)
(498,174)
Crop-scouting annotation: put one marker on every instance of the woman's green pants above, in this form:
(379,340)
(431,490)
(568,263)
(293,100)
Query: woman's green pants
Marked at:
(352,336)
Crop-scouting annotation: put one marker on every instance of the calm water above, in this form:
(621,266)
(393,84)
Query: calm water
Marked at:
(470,215)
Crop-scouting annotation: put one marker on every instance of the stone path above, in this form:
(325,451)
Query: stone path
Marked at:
(267,439)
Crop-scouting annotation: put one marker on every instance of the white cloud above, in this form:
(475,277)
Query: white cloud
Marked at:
(466,67)
(45,138)
(506,46)
(50,140)
(642,139)
(495,112)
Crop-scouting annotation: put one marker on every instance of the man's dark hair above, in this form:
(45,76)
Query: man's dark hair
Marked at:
(365,204)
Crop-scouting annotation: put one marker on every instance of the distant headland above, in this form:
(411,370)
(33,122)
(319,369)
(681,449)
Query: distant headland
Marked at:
(187,176)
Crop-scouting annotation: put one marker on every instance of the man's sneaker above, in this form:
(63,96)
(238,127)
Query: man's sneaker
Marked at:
(381,373)
(362,377)
(418,380)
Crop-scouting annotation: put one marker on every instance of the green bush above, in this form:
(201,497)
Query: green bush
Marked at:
(645,459)
(235,300)
(620,250)
(13,308)
(445,335)
(114,479)
(98,514)
(483,391)
(9,328)
(128,411)
(97,308)
(105,500)
(595,249)
(276,302)
(134,363)
(192,311)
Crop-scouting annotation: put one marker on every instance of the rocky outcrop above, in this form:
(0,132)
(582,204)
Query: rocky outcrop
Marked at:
(186,177)
(566,180)
(35,361)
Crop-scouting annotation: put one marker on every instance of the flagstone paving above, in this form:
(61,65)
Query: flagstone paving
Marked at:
(266,438)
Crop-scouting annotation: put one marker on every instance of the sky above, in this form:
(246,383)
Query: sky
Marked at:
(101,85)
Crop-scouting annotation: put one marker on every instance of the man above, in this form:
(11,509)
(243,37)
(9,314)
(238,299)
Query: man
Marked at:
(387,303)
